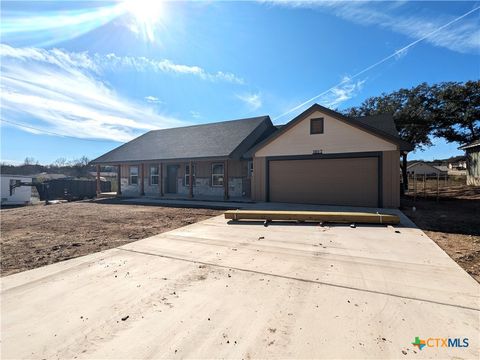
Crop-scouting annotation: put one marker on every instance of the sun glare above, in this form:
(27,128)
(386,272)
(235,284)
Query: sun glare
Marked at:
(147,14)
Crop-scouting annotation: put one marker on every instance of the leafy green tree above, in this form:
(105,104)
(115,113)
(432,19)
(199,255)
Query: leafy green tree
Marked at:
(457,115)
(412,111)
(450,110)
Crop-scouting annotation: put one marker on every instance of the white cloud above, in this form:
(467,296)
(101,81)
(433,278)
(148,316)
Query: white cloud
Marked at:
(341,93)
(153,99)
(463,36)
(252,100)
(195,114)
(98,63)
(57,92)
(112,62)
(11,162)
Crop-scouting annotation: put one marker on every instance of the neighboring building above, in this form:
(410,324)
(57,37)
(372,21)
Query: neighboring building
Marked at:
(320,157)
(454,170)
(472,151)
(423,168)
(20,195)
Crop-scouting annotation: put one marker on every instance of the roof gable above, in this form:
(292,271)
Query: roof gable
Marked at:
(214,140)
(381,126)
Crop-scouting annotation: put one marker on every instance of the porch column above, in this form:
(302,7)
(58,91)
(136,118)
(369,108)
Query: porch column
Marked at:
(225,180)
(142,179)
(190,180)
(119,178)
(99,190)
(161,179)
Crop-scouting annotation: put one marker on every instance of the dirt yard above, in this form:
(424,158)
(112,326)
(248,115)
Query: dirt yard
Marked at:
(38,235)
(453,223)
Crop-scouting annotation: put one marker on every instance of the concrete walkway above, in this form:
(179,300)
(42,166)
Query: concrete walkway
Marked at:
(219,290)
(232,205)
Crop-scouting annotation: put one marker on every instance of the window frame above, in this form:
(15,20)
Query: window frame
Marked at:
(250,169)
(314,120)
(217,175)
(130,175)
(187,174)
(153,175)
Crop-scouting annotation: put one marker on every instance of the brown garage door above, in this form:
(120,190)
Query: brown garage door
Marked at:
(352,181)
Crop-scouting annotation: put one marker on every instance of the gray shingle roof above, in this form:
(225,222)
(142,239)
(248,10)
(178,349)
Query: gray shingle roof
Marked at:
(215,140)
(382,122)
(470,145)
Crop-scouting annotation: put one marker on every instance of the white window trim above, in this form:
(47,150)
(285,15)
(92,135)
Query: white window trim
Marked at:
(187,175)
(130,176)
(222,174)
(250,169)
(157,175)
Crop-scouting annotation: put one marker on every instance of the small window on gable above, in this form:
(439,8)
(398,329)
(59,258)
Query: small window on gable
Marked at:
(316,126)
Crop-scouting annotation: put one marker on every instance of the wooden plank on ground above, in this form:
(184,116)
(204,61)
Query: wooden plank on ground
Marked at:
(316,216)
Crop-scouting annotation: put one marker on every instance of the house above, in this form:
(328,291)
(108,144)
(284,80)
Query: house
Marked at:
(319,157)
(472,151)
(423,168)
(20,195)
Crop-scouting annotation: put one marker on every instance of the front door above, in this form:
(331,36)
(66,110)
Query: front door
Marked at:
(172,179)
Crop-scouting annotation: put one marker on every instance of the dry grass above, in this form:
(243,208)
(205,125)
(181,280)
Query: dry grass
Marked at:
(453,223)
(38,235)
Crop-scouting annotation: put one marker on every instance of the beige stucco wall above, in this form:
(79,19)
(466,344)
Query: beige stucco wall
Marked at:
(391,179)
(259,191)
(338,137)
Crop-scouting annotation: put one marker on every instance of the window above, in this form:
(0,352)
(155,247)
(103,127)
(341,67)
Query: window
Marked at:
(154,175)
(250,168)
(217,174)
(316,126)
(134,175)
(187,175)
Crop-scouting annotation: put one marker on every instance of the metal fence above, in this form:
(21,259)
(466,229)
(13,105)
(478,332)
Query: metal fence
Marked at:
(71,189)
(432,185)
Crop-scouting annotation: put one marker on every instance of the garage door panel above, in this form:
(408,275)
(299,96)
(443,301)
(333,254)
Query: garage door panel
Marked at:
(352,181)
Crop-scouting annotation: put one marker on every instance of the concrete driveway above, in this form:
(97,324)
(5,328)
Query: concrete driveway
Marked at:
(218,290)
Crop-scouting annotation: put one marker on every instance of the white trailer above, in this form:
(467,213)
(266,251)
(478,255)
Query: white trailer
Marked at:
(20,195)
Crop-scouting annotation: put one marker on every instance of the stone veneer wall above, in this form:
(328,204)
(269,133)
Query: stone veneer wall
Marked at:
(201,187)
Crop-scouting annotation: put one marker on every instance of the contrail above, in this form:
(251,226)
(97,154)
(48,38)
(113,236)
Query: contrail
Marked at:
(377,63)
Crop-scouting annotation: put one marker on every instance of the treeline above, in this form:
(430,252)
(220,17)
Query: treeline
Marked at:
(78,168)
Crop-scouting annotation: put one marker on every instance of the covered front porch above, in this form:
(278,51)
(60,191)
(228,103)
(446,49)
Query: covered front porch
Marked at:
(205,180)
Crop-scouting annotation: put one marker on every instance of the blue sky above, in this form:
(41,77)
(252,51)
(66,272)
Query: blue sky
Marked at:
(80,78)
